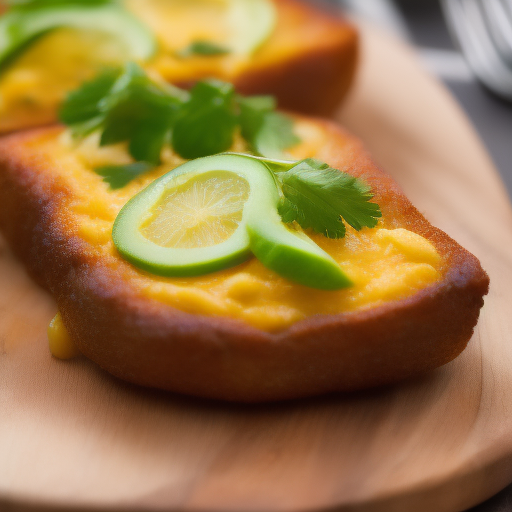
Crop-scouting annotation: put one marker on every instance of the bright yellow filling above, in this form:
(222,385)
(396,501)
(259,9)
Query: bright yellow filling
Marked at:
(385,263)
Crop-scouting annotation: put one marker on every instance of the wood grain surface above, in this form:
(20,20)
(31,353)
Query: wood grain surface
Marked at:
(74,438)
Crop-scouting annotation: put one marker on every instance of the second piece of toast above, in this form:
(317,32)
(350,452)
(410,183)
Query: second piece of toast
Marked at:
(307,63)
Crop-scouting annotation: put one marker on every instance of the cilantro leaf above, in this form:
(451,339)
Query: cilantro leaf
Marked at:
(126,106)
(83,105)
(252,112)
(139,111)
(268,132)
(129,106)
(206,123)
(202,48)
(317,196)
(118,176)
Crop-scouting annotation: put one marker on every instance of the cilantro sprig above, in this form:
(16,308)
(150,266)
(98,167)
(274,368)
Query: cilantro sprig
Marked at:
(319,197)
(206,122)
(126,105)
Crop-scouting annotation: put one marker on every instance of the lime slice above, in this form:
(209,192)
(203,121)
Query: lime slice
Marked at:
(209,214)
(192,220)
(20,27)
(251,23)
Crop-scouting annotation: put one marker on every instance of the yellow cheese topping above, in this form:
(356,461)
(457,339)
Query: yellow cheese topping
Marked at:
(387,263)
(61,344)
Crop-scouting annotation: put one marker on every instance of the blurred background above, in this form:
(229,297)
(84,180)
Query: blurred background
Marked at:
(432,26)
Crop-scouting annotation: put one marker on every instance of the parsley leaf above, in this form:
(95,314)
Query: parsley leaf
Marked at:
(269,132)
(206,123)
(317,196)
(202,48)
(118,176)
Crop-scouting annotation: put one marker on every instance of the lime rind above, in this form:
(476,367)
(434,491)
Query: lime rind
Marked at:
(19,28)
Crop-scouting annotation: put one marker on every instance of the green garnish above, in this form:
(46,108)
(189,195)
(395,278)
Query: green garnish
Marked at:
(118,176)
(317,196)
(26,20)
(127,106)
(202,48)
(140,112)
(269,132)
(211,213)
(206,123)
(82,110)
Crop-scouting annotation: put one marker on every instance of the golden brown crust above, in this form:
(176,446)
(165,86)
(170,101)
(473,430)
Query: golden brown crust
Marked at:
(311,73)
(149,343)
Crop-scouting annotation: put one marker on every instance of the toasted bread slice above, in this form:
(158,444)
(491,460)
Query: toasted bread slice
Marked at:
(307,63)
(187,336)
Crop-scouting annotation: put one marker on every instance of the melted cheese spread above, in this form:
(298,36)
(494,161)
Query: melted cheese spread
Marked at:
(60,342)
(386,264)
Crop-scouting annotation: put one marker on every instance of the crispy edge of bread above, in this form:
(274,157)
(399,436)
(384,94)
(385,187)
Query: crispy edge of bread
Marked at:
(152,344)
(312,82)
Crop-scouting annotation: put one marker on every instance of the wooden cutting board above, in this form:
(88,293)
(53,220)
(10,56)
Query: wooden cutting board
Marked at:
(71,436)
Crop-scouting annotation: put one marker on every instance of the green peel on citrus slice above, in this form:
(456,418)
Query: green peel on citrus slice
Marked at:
(212,213)
(19,27)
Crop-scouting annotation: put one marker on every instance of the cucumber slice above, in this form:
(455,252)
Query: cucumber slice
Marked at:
(19,27)
(252,22)
(195,199)
(209,214)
